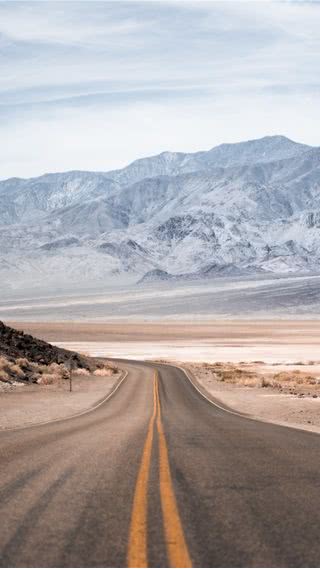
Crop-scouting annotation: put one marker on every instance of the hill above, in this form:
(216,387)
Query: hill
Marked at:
(25,358)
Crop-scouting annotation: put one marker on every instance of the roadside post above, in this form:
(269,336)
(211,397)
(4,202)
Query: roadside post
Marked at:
(71,365)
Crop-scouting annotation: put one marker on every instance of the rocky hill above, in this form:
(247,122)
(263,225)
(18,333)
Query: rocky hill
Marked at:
(25,358)
(16,344)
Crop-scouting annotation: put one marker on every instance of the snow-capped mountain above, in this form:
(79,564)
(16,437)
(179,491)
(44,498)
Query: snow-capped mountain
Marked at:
(235,209)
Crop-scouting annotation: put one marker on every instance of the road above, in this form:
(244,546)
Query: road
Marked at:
(158,476)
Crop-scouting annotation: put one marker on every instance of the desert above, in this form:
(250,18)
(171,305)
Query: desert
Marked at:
(160,284)
(269,369)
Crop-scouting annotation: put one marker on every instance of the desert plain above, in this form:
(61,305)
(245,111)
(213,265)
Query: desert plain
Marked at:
(268,369)
(273,341)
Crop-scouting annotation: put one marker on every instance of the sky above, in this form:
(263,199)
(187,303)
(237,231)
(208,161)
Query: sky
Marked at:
(94,85)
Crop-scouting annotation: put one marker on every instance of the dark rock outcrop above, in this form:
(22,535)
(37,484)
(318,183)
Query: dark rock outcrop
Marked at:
(16,344)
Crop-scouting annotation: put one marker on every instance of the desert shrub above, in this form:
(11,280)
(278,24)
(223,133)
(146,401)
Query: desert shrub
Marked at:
(49,378)
(270,382)
(54,368)
(265,382)
(16,370)
(295,377)
(250,382)
(104,372)
(82,371)
(4,363)
(23,362)
(110,366)
(4,376)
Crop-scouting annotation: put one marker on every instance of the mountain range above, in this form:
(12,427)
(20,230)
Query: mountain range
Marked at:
(237,209)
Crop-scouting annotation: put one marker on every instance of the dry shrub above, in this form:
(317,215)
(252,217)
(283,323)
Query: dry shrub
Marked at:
(110,366)
(23,362)
(4,363)
(295,376)
(82,371)
(22,370)
(16,370)
(250,382)
(103,372)
(49,378)
(4,375)
(312,380)
(10,370)
(239,374)
(58,369)
(270,382)
(54,368)
(230,373)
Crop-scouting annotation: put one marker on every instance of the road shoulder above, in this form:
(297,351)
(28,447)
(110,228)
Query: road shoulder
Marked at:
(33,404)
(258,403)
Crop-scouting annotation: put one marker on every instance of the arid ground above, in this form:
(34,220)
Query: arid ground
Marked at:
(241,492)
(270,369)
(229,340)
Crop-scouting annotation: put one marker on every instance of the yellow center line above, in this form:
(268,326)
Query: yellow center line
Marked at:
(175,541)
(137,549)
(176,544)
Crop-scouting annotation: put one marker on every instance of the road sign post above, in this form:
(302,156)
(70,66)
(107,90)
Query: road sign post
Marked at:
(71,364)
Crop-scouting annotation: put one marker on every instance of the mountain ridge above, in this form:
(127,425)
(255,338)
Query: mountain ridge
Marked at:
(253,206)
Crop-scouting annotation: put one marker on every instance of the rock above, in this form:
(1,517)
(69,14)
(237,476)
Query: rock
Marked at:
(15,344)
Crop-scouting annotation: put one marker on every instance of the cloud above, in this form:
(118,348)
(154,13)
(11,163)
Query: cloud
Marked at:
(139,77)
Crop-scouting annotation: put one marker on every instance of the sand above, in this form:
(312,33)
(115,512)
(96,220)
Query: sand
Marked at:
(31,404)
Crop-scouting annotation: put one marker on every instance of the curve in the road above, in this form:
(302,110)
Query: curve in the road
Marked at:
(159,476)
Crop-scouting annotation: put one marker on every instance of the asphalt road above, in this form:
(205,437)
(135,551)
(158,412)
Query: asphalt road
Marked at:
(157,476)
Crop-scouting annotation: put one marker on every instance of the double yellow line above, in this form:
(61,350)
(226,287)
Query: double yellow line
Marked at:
(177,549)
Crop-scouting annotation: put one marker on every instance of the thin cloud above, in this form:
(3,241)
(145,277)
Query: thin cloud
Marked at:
(140,77)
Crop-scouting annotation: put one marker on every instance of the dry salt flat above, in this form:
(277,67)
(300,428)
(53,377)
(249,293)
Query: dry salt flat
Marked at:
(197,351)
